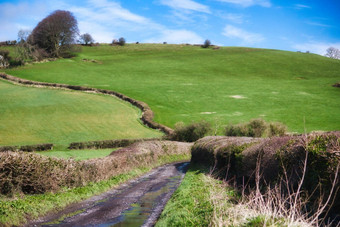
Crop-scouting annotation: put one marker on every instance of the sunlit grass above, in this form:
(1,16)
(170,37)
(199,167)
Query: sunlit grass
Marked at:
(189,83)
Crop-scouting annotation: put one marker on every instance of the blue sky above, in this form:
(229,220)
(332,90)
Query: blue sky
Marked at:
(295,25)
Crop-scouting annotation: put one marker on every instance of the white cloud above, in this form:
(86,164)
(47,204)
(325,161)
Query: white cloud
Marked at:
(186,5)
(317,24)
(176,36)
(315,47)
(300,6)
(245,36)
(233,17)
(248,3)
(106,20)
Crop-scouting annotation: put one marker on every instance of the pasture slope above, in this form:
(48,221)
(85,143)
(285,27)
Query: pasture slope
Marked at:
(188,83)
(40,115)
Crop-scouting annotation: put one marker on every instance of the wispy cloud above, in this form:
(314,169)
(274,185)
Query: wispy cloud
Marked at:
(186,5)
(317,24)
(233,17)
(176,36)
(248,3)
(300,6)
(244,36)
(107,20)
(315,47)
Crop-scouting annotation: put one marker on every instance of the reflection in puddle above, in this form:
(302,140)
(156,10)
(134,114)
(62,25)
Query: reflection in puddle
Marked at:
(139,212)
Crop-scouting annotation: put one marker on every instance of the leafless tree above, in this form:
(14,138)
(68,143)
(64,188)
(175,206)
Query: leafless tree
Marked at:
(333,52)
(86,39)
(23,35)
(56,33)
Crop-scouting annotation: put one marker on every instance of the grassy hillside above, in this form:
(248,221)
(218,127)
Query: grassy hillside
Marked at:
(40,115)
(189,83)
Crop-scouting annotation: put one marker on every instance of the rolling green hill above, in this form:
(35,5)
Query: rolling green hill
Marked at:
(227,85)
(40,115)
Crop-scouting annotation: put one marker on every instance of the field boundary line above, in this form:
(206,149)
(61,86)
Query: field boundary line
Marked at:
(147,113)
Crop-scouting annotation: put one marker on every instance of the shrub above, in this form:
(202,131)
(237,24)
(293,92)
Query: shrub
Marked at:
(276,129)
(291,162)
(4,58)
(256,128)
(236,130)
(206,43)
(121,41)
(31,173)
(191,132)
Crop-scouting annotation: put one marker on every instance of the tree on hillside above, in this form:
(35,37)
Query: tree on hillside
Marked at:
(121,41)
(86,39)
(56,33)
(333,52)
(206,43)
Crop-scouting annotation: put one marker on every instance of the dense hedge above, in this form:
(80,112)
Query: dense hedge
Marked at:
(28,148)
(147,114)
(277,160)
(103,144)
(32,173)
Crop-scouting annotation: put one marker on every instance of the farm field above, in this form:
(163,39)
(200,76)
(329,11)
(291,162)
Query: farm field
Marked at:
(40,115)
(189,83)
(78,154)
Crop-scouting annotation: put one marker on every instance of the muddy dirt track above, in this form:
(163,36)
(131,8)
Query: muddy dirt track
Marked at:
(136,203)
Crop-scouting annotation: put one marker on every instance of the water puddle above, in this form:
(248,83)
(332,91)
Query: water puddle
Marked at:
(139,212)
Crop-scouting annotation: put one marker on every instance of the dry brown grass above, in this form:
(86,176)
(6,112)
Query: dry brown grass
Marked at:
(32,173)
(295,178)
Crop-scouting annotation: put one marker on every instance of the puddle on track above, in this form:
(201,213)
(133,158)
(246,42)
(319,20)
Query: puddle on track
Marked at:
(139,212)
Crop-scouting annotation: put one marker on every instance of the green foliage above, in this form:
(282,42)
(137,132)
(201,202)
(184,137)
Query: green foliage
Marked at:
(256,128)
(191,132)
(276,129)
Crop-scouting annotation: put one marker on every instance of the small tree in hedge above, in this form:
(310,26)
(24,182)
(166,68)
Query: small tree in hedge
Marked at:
(4,58)
(121,41)
(191,132)
(206,43)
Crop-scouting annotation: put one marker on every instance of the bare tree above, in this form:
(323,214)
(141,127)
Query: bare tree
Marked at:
(56,33)
(23,35)
(86,39)
(333,52)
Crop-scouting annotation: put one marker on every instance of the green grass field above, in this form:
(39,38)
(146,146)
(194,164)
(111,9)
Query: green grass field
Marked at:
(189,83)
(40,115)
(78,154)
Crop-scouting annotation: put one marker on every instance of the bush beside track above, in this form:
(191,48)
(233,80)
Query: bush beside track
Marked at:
(278,161)
(31,173)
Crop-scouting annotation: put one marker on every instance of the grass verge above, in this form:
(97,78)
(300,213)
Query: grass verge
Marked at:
(19,210)
(189,205)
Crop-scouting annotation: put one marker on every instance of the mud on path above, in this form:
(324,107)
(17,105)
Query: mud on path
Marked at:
(137,203)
